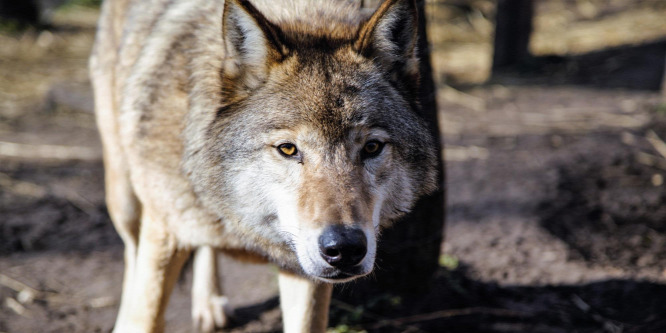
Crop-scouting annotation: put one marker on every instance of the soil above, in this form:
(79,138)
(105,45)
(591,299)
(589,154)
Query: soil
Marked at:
(554,211)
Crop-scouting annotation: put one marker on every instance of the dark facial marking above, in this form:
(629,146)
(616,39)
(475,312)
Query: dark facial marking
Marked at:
(339,102)
(350,90)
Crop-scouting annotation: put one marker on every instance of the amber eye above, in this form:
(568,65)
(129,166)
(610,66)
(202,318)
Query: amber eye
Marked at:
(287,149)
(372,148)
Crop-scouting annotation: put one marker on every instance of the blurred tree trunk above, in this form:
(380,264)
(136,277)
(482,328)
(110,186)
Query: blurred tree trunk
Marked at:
(23,11)
(513,27)
(408,253)
(29,12)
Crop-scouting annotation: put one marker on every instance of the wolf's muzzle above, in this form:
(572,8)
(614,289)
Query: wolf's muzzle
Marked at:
(343,247)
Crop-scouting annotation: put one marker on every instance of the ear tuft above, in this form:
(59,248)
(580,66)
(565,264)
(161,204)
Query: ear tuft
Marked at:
(251,42)
(390,35)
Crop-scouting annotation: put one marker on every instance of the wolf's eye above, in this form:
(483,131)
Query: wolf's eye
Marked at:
(287,149)
(372,148)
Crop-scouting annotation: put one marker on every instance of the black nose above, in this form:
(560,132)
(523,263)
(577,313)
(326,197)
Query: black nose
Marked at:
(342,247)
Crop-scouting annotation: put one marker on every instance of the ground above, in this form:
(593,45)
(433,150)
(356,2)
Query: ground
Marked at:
(554,209)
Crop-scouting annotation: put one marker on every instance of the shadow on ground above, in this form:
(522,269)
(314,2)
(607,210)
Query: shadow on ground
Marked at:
(638,67)
(608,207)
(56,207)
(457,303)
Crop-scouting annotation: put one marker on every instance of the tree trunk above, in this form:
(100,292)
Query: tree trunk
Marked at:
(22,11)
(408,253)
(29,12)
(513,26)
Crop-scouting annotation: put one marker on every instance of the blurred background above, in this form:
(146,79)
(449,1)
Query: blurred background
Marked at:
(552,115)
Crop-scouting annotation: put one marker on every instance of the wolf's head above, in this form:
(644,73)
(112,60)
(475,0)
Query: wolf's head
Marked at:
(317,143)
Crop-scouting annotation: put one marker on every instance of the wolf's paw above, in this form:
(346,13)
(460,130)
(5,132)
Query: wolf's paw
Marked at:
(209,313)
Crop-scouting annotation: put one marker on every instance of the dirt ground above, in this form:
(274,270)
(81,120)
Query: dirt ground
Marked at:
(554,208)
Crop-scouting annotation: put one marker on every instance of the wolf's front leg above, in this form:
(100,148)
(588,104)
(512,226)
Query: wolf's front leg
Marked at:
(209,307)
(158,264)
(304,303)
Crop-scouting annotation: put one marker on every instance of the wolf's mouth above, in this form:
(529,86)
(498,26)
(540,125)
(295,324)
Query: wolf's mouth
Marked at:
(336,275)
(339,276)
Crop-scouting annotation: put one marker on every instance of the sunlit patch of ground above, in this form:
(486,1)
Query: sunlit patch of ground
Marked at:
(462,39)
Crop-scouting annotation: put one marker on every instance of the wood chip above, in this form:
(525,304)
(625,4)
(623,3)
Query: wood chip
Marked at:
(15,306)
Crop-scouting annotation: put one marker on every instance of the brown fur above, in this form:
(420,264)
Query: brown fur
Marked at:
(194,97)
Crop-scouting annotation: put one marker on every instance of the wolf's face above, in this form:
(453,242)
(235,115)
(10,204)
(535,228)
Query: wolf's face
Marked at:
(318,143)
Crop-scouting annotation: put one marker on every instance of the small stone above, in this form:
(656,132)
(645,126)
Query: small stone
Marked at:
(657,179)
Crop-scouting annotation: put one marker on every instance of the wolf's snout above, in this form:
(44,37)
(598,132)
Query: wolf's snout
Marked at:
(343,247)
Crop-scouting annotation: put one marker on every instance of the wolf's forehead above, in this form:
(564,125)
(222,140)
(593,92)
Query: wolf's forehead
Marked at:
(332,115)
(333,92)
(323,81)
(331,64)
(336,109)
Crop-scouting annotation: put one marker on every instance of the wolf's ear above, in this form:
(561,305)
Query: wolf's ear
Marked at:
(390,36)
(251,42)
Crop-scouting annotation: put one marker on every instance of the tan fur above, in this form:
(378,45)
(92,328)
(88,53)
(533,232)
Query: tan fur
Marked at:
(192,100)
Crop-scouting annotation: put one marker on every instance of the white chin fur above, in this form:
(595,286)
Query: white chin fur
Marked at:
(306,241)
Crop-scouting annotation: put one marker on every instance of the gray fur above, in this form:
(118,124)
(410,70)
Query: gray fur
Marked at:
(201,96)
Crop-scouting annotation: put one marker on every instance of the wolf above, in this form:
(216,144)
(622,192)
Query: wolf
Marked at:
(279,131)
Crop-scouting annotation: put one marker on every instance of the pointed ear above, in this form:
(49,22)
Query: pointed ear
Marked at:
(390,35)
(251,42)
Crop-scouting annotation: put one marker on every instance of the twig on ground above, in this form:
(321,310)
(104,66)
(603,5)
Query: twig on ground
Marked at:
(454,313)
(651,160)
(27,294)
(27,151)
(21,187)
(381,320)
(565,119)
(102,302)
(408,322)
(76,199)
(17,307)
(622,120)
(656,142)
(17,286)
(608,324)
